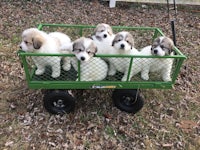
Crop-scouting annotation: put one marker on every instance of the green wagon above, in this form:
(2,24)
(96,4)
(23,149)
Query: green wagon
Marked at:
(126,97)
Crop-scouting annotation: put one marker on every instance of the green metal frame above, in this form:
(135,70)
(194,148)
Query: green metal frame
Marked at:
(56,84)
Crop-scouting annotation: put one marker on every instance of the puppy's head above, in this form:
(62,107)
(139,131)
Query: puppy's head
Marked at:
(103,31)
(84,49)
(32,40)
(123,41)
(162,46)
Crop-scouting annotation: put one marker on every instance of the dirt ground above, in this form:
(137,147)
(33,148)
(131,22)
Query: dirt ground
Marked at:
(170,119)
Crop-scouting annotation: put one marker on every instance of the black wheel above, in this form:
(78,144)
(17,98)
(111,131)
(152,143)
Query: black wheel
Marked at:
(127,100)
(59,102)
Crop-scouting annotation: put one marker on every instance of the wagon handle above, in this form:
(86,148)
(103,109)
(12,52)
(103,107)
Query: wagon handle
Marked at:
(173,31)
(172,22)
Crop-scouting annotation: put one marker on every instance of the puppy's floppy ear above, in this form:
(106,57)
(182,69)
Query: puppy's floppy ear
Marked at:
(117,37)
(110,31)
(92,48)
(113,42)
(130,39)
(95,51)
(37,42)
(95,30)
(156,41)
(169,44)
(172,49)
(89,37)
(73,45)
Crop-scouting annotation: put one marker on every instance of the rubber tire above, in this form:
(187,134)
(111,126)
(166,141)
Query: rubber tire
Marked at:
(127,100)
(51,99)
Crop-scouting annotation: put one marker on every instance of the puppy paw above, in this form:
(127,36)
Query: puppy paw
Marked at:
(124,78)
(66,67)
(39,71)
(167,79)
(145,76)
(55,75)
(111,72)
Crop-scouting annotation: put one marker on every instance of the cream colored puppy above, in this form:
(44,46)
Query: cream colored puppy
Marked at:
(91,68)
(36,41)
(103,36)
(162,46)
(124,45)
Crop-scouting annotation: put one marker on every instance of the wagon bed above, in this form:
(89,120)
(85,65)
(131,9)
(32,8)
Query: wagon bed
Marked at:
(71,80)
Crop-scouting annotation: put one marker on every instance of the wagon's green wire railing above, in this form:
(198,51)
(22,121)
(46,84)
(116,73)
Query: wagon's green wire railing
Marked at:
(62,84)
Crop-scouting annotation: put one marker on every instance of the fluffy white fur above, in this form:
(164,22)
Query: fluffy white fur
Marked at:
(91,68)
(162,46)
(36,41)
(63,40)
(124,45)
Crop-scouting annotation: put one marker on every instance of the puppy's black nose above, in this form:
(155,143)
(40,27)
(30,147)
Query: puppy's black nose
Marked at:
(122,46)
(155,51)
(105,35)
(20,47)
(82,58)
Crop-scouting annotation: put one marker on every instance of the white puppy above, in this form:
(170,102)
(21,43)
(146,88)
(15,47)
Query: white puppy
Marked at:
(162,46)
(103,36)
(124,45)
(36,41)
(91,68)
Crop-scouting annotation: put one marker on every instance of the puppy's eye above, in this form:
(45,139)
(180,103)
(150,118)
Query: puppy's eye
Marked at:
(89,52)
(102,31)
(26,42)
(77,50)
(162,46)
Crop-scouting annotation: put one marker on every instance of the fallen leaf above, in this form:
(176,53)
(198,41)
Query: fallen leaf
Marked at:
(187,125)
(9,143)
(167,145)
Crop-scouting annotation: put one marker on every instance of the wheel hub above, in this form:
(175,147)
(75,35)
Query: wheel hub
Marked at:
(59,103)
(128,100)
